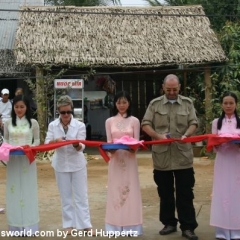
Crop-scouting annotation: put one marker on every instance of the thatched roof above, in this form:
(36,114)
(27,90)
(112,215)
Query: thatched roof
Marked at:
(116,36)
(9,67)
(8,28)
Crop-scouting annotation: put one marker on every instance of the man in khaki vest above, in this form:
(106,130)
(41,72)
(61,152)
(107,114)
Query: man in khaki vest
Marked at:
(173,115)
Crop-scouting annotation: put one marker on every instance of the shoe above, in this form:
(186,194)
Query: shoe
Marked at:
(189,234)
(167,230)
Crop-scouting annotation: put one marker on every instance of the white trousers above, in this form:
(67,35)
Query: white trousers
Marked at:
(74,198)
(227,234)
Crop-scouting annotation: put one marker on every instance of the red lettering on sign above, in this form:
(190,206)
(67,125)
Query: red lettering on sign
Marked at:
(76,83)
(63,83)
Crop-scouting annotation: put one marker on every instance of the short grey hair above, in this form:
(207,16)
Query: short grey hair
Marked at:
(64,101)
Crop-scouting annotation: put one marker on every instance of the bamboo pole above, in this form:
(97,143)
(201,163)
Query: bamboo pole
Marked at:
(41,105)
(208,98)
(185,83)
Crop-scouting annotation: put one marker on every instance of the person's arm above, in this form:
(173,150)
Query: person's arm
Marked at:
(190,131)
(215,131)
(136,129)
(147,123)
(108,130)
(36,132)
(214,126)
(109,135)
(50,135)
(152,133)
(9,110)
(81,135)
(192,122)
(6,133)
(6,113)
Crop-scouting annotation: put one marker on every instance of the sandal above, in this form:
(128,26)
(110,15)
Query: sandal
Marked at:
(90,230)
(68,230)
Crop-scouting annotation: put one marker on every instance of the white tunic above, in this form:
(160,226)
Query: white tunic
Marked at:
(22,191)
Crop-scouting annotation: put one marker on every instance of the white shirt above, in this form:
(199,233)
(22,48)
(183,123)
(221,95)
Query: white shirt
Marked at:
(67,158)
(5,110)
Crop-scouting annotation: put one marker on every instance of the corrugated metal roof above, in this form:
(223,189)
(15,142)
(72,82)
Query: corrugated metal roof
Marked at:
(9,20)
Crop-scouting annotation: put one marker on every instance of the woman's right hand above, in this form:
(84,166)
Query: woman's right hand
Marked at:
(57,140)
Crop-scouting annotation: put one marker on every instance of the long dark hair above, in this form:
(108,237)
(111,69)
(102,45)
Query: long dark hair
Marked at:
(233,95)
(119,95)
(28,111)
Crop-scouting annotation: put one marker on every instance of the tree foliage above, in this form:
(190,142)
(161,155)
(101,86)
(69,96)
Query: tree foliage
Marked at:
(218,11)
(43,90)
(224,16)
(227,78)
(82,2)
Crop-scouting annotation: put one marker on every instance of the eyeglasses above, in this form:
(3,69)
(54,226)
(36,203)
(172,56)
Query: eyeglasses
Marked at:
(65,112)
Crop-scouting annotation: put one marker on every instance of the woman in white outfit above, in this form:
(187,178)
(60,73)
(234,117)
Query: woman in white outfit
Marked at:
(69,164)
(22,192)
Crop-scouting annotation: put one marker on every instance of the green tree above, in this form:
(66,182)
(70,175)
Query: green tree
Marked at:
(83,2)
(218,11)
(170,2)
(154,2)
(227,78)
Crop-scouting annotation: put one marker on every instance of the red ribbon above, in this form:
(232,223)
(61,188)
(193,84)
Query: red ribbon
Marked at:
(215,140)
(31,151)
(212,140)
(192,139)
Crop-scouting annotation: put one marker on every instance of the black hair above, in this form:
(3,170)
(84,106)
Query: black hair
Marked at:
(28,111)
(119,95)
(233,95)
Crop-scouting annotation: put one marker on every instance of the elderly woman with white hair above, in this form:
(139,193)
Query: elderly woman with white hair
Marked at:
(69,164)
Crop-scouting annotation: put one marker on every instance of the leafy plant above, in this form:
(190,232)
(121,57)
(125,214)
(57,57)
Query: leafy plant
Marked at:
(83,2)
(204,152)
(43,91)
(219,12)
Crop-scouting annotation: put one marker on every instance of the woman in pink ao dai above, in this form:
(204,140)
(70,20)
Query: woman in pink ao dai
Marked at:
(124,202)
(225,211)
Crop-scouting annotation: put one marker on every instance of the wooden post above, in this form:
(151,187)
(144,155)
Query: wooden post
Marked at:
(41,103)
(208,98)
(184,83)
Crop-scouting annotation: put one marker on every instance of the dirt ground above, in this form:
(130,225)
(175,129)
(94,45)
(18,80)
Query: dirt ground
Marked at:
(50,209)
